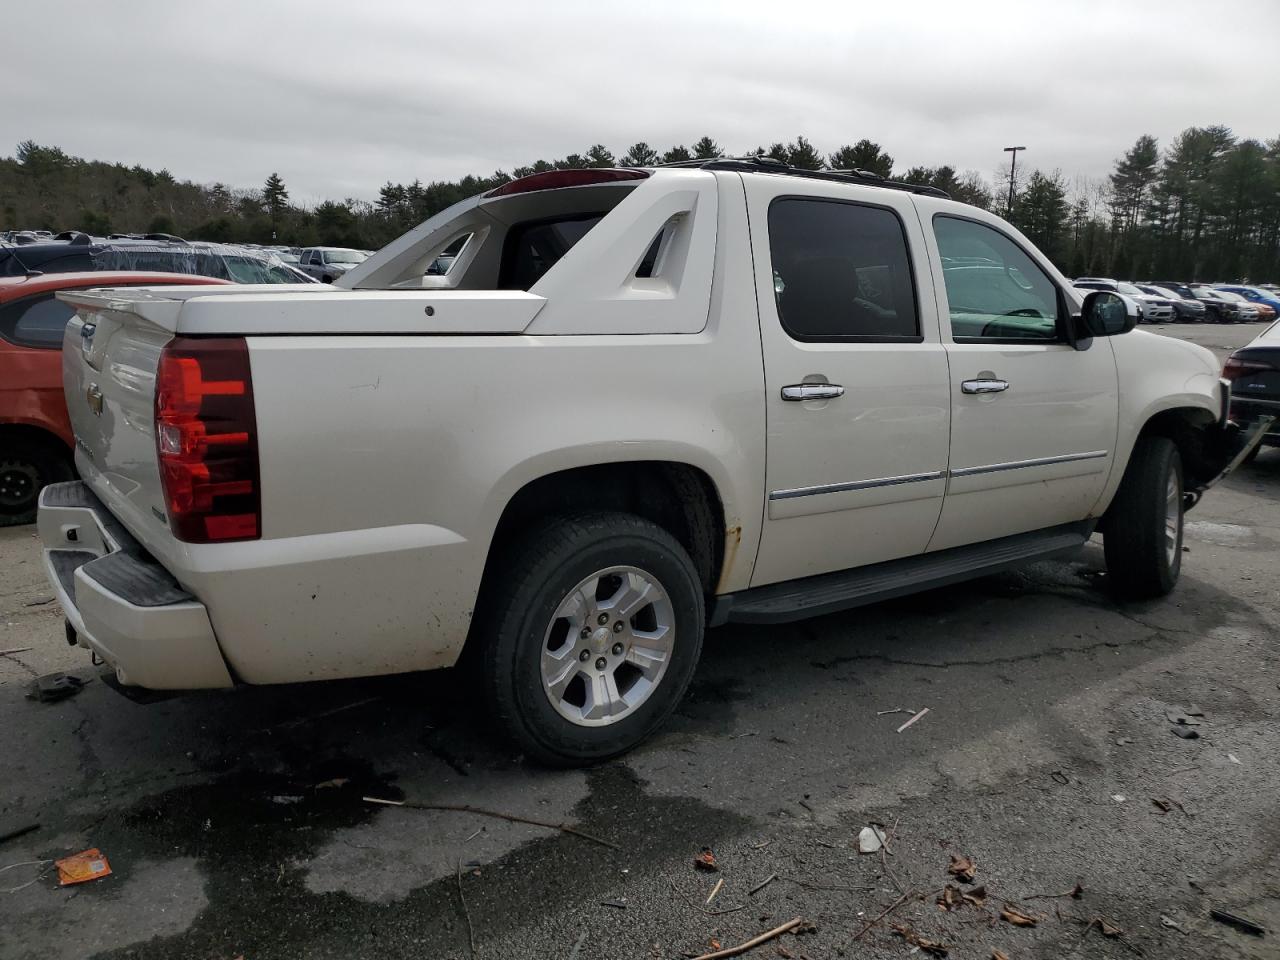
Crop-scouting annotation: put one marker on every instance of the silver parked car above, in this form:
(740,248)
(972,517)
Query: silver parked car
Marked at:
(329,263)
(1154,309)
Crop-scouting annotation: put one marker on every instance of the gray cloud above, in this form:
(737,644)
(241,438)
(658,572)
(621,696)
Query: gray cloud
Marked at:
(340,97)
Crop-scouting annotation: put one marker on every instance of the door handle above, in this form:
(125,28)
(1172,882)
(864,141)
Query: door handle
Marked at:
(984,386)
(812,391)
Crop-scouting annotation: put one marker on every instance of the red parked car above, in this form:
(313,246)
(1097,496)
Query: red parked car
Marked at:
(35,434)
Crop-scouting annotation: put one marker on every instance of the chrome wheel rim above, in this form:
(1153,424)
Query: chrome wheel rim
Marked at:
(608,646)
(1172,517)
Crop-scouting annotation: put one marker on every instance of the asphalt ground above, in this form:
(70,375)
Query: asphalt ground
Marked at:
(234,822)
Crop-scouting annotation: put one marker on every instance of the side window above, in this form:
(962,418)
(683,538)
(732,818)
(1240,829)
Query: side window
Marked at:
(37,322)
(841,271)
(995,291)
(533,248)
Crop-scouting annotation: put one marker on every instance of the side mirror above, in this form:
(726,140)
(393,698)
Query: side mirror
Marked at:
(1107,314)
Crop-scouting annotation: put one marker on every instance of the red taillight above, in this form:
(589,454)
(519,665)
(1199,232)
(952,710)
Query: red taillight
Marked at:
(1235,368)
(207,440)
(554,179)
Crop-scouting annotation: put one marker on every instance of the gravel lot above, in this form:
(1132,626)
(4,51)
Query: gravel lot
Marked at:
(234,823)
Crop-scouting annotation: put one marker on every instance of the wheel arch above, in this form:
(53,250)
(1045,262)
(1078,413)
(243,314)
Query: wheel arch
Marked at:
(14,432)
(1193,430)
(679,497)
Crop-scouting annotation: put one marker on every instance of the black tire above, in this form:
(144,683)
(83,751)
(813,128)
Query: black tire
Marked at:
(518,606)
(26,467)
(1140,564)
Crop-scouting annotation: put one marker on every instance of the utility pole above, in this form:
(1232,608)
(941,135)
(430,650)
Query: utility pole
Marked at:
(1013,167)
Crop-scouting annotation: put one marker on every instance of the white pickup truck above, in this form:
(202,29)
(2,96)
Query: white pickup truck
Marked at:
(638,404)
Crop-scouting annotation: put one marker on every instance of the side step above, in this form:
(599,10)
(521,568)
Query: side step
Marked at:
(831,592)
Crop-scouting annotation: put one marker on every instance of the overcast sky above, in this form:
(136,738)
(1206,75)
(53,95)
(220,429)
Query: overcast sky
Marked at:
(341,97)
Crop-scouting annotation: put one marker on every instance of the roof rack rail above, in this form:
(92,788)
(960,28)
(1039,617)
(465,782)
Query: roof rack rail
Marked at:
(772,165)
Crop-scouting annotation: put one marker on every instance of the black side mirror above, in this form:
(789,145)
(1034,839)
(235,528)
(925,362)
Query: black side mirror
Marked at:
(1107,314)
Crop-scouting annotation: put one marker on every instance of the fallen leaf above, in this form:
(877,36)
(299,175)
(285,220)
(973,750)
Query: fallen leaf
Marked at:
(1016,917)
(1164,805)
(713,943)
(962,868)
(785,954)
(706,860)
(1186,733)
(951,898)
(999,955)
(977,896)
(333,784)
(931,947)
(1107,928)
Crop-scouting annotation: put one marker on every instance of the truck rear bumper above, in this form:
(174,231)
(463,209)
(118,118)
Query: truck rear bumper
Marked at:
(123,605)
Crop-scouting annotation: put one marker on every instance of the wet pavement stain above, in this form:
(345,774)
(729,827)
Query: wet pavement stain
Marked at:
(252,834)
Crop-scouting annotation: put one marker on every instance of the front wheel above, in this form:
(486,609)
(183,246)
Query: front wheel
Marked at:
(1143,534)
(590,634)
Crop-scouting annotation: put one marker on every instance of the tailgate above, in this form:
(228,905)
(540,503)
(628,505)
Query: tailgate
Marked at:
(110,353)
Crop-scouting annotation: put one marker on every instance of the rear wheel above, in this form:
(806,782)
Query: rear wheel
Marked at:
(1143,536)
(590,635)
(26,467)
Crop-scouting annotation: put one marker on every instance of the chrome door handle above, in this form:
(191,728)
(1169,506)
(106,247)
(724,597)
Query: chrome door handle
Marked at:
(812,391)
(984,386)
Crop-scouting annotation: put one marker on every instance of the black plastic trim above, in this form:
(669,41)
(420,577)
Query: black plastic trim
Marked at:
(843,590)
(131,573)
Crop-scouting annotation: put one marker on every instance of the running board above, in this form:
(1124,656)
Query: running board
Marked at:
(831,592)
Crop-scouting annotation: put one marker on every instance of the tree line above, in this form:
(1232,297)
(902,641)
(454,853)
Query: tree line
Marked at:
(1206,206)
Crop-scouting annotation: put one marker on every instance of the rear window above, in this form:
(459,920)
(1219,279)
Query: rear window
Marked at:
(535,247)
(36,321)
(841,271)
(75,260)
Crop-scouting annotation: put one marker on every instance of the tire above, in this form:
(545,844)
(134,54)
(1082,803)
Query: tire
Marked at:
(26,467)
(1142,542)
(526,649)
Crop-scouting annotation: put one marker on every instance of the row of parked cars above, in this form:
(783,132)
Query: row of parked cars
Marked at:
(325,264)
(1164,301)
(36,439)
(25,250)
(35,435)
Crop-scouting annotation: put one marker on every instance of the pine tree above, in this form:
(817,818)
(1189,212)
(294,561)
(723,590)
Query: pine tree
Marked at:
(803,155)
(599,156)
(1042,213)
(706,149)
(1134,174)
(863,155)
(640,154)
(274,197)
(677,154)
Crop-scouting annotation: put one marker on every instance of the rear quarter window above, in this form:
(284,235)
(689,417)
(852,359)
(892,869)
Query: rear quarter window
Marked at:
(37,321)
(533,248)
